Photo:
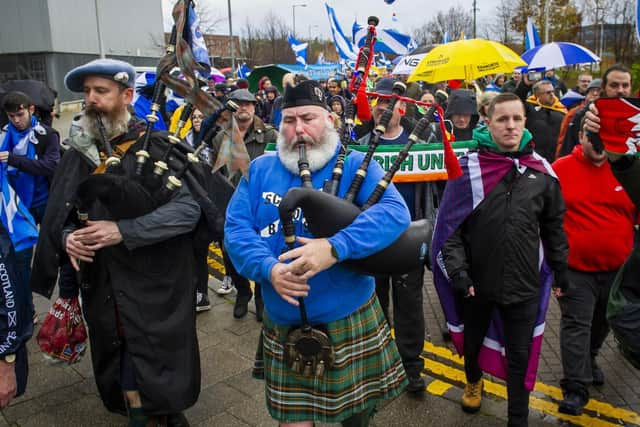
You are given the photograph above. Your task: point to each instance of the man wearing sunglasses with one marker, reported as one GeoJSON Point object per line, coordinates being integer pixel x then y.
{"type": "Point", "coordinates": [544, 113]}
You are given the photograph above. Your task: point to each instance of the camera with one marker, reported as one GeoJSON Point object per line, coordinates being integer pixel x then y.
{"type": "Point", "coordinates": [534, 76]}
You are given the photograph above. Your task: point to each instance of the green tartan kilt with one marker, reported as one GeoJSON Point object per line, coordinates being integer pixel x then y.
{"type": "Point", "coordinates": [367, 370]}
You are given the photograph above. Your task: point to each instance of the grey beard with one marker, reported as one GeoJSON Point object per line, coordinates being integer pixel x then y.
{"type": "Point", "coordinates": [112, 127]}
{"type": "Point", "coordinates": [318, 154]}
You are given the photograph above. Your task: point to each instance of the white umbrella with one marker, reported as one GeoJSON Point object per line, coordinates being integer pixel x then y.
{"type": "Point", "coordinates": [408, 63]}
{"type": "Point", "coordinates": [558, 54]}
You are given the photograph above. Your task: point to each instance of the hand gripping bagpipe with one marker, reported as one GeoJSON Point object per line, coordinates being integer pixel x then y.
{"type": "Point", "coordinates": [131, 194]}
{"type": "Point", "coordinates": [408, 252]}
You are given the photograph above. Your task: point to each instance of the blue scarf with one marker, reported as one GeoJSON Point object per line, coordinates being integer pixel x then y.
{"type": "Point", "coordinates": [21, 143]}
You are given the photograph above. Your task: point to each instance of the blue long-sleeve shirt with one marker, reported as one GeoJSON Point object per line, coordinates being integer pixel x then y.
{"type": "Point", "coordinates": [254, 239]}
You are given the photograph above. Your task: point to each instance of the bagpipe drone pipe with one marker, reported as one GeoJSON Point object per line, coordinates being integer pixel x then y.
{"type": "Point", "coordinates": [163, 162]}
{"type": "Point", "coordinates": [409, 251]}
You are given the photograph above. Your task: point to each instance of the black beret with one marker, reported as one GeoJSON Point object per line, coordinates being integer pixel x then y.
{"type": "Point", "coordinates": [307, 92]}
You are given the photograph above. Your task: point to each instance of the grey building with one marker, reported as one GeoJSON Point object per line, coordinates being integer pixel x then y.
{"type": "Point", "coordinates": [44, 39]}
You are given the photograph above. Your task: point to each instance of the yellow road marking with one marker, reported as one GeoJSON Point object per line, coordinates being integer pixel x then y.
{"type": "Point", "coordinates": [216, 265]}
{"type": "Point", "coordinates": [438, 388]}
{"type": "Point", "coordinates": [500, 390]}
{"type": "Point", "coordinates": [593, 405]}
{"type": "Point", "coordinates": [215, 249]}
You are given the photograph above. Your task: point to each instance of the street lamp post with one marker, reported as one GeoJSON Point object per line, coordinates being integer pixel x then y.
{"type": "Point", "coordinates": [546, 21]}
{"type": "Point", "coordinates": [231, 47]}
{"type": "Point", "coordinates": [293, 8]}
{"type": "Point", "coordinates": [100, 43]}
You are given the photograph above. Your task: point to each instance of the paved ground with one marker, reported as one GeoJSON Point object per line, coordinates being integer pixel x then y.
{"type": "Point", "coordinates": [62, 395]}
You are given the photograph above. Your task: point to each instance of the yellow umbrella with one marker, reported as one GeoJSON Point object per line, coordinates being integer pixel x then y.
{"type": "Point", "coordinates": [466, 60]}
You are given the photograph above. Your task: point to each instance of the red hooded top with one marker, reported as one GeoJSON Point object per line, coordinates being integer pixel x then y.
{"type": "Point", "coordinates": [600, 216]}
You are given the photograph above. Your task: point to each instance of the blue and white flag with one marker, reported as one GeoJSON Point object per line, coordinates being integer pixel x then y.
{"type": "Point", "coordinates": [299, 49]}
{"type": "Point", "coordinates": [531, 37]}
{"type": "Point", "coordinates": [15, 217]}
{"type": "Point", "coordinates": [198, 46]}
{"type": "Point", "coordinates": [142, 104]}
{"type": "Point", "coordinates": [243, 71]}
{"type": "Point", "coordinates": [344, 46]}
{"type": "Point", "coordinates": [320, 59]}
{"type": "Point", "coordinates": [387, 40]}
{"type": "Point", "coordinates": [383, 61]}
{"type": "Point", "coordinates": [446, 38]}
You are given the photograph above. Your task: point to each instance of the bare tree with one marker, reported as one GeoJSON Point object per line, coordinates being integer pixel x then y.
{"type": "Point", "coordinates": [275, 35]}
{"type": "Point", "coordinates": [210, 18]}
{"type": "Point", "coordinates": [454, 22]}
{"type": "Point", "coordinates": [499, 28]}
{"type": "Point", "coordinates": [250, 41]}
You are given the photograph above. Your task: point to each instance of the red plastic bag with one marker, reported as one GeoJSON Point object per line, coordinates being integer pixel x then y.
{"type": "Point", "coordinates": [63, 335]}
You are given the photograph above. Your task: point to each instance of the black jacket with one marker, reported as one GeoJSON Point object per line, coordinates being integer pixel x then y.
{"type": "Point", "coordinates": [463, 101]}
{"type": "Point", "coordinates": [147, 292]}
{"type": "Point", "coordinates": [543, 123]}
{"type": "Point", "coordinates": [498, 244]}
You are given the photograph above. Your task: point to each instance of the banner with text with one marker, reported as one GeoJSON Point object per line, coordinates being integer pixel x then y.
{"type": "Point", "coordinates": [425, 162]}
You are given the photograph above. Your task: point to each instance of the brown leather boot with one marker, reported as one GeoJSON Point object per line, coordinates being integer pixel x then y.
{"type": "Point", "coordinates": [472, 396]}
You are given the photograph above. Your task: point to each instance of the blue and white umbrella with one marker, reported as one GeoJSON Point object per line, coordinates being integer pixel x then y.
{"type": "Point", "coordinates": [558, 54]}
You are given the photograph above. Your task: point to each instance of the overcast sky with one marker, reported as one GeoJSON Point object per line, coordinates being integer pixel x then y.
{"type": "Point", "coordinates": [312, 19]}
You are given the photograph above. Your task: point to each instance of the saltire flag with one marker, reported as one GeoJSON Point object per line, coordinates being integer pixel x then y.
{"type": "Point", "coordinates": [299, 49]}
{"type": "Point", "coordinates": [531, 37]}
{"type": "Point", "coordinates": [383, 61]}
{"type": "Point", "coordinates": [243, 71]}
{"type": "Point", "coordinates": [446, 38]}
{"type": "Point", "coordinates": [346, 49]}
{"type": "Point", "coordinates": [142, 102]}
{"type": "Point", "coordinates": [320, 60]}
{"type": "Point", "coordinates": [481, 171]}
{"type": "Point", "coordinates": [387, 40]}
{"type": "Point", "coordinates": [196, 41]}
{"type": "Point", "coordinates": [15, 216]}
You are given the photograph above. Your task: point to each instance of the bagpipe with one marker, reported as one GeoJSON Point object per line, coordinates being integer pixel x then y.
{"type": "Point", "coordinates": [135, 191]}
{"type": "Point", "coordinates": [409, 251]}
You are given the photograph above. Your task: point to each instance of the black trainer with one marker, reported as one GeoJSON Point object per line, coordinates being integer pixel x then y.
{"type": "Point", "coordinates": [416, 385]}
{"type": "Point", "coordinates": [177, 420]}
{"type": "Point", "coordinates": [573, 404]}
{"type": "Point", "coordinates": [202, 302]}
{"type": "Point", "coordinates": [241, 307]}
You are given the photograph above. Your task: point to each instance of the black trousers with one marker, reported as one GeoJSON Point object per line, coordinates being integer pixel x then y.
{"type": "Point", "coordinates": [201, 275]}
{"type": "Point", "coordinates": [408, 317]}
{"type": "Point", "coordinates": [518, 321]}
{"type": "Point", "coordinates": [583, 327]}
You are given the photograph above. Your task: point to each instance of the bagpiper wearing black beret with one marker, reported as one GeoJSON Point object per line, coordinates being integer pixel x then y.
{"type": "Point", "coordinates": [307, 92]}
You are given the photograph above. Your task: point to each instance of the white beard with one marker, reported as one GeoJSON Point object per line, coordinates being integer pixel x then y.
{"type": "Point", "coordinates": [318, 154]}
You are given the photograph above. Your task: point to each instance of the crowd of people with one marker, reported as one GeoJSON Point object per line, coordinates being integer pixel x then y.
{"type": "Point", "coordinates": [536, 188]}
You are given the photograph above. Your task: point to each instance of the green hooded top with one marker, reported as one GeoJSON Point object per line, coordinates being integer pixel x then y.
{"type": "Point", "coordinates": [483, 137]}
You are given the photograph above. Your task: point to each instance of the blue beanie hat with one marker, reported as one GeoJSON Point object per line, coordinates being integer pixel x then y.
{"type": "Point", "coordinates": [112, 69]}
